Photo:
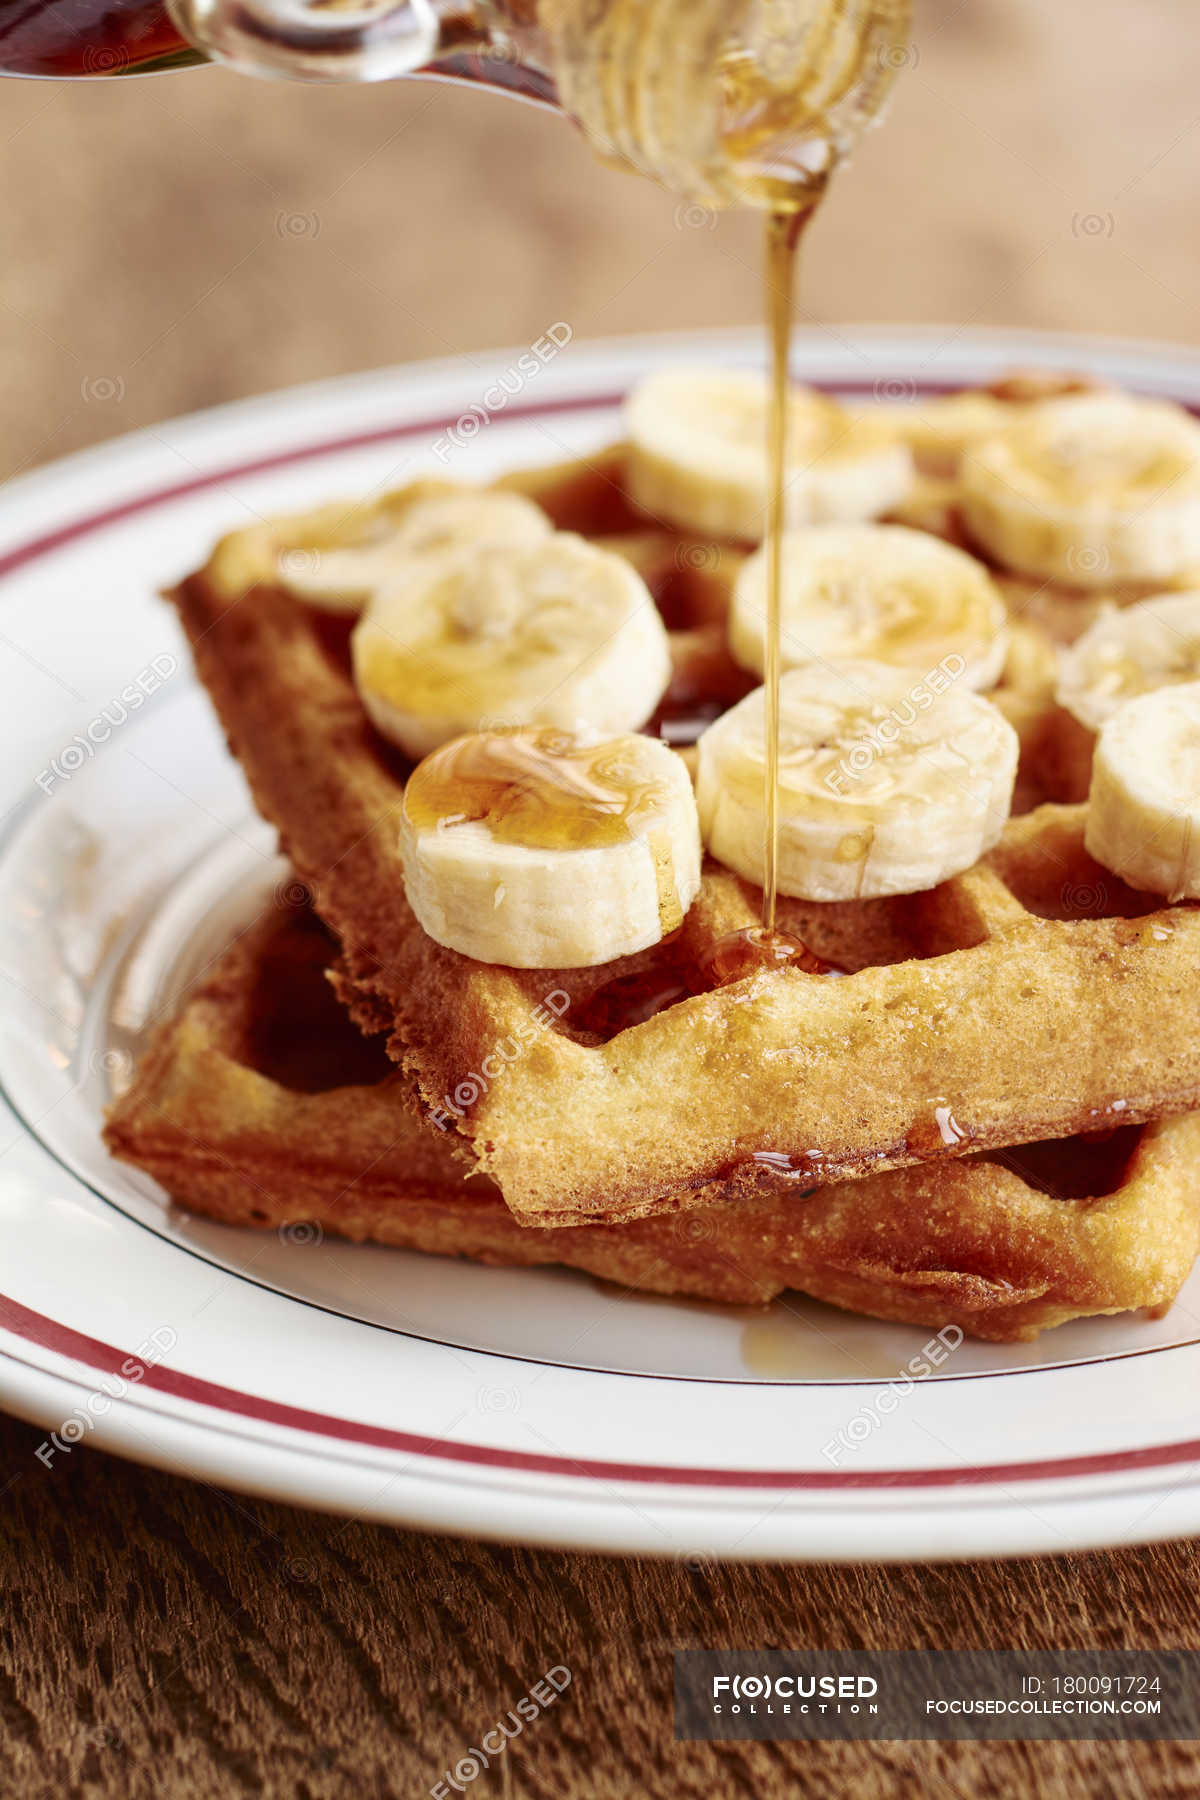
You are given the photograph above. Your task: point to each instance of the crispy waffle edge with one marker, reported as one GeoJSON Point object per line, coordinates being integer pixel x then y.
{"type": "Point", "coordinates": [970, 1243]}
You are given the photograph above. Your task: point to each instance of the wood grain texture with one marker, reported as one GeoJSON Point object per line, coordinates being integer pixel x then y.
{"type": "Point", "coordinates": [163, 1638]}
{"type": "Point", "coordinates": [177, 242]}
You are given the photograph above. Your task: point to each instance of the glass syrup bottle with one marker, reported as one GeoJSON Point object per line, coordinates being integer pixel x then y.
{"type": "Point", "coordinates": [722, 101]}
{"type": "Point", "coordinates": [725, 102]}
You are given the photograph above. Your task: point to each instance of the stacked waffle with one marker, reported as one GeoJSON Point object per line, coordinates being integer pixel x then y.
{"type": "Point", "coordinates": [969, 1103]}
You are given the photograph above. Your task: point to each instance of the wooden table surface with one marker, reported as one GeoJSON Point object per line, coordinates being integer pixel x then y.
{"type": "Point", "coordinates": [177, 242]}
{"type": "Point", "coordinates": [163, 1638]}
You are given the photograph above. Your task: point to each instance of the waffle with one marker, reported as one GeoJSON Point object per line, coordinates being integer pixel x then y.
{"type": "Point", "coordinates": [1034, 996]}
{"type": "Point", "coordinates": [261, 1105]}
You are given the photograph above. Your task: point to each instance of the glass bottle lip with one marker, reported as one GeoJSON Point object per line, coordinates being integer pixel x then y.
{"type": "Point", "coordinates": [295, 40]}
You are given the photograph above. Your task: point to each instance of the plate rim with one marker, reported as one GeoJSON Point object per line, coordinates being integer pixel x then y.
{"type": "Point", "coordinates": [39, 1329]}
{"type": "Point", "coordinates": [1170, 362]}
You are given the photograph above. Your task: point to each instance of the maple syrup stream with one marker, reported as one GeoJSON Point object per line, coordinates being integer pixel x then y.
{"type": "Point", "coordinates": [785, 227]}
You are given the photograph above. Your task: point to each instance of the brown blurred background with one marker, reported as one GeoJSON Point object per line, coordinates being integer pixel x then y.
{"type": "Point", "coordinates": [185, 239]}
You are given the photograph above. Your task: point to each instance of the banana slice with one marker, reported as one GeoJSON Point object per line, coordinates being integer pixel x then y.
{"type": "Point", "coordinates": [1144, 808]}
{"type": "Point", "coordinates": [556, 633]}
{"type": "Point", "coordinates": [1091, 490]}
{"type": "Point", "coordinates": [930, 505]}
{"type": "Point", "coordinates": [1155, 644]}
{"type": "Point", "coordinates": [343, 577]}
{"type": "Point", "coordinates": [698, 455]}
{"type": "Point", "coordinates": [886, 786]}
{"type": "Point", "coordinates": [543, 852]}
{"type": "Point", "coordinates": [880, 592]}
{"type": "Point", "coordinates": [939, 428]}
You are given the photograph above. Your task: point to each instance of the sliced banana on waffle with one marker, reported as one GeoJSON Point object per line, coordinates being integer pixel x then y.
{"type": "Point", "coordinates": [1144, 808]}
{"type": "Point", "coordinates": [555, 633]}
{"type": "Point", "coordinates": [698, 456]}
{"type": "Point", "coordinates": [1091, 490]}
{"type": "Point", "coordinates": [939, 428]}
{"type": "Point", "coordinates": [1155, 644]}
{"type": "Point", "coordinates": [879, 592]}
{"type": "Point", "coordinates": [543, 851]}
{"type": "Point", "coordinates": [342, 577]}
{"type": "Point", "coordinates": [886, 786]}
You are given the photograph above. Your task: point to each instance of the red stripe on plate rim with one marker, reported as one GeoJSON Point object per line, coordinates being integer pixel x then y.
{"type": "Point", "coordinates": [45, 543]}
{"type": "Point", "coordinates": [64, 1340]}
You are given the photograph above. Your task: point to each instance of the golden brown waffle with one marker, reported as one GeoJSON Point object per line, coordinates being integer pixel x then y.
{"type": "Point", "coordinates": [1033, 996]}
{"type": "Point", "coordinates": [262, 1105]}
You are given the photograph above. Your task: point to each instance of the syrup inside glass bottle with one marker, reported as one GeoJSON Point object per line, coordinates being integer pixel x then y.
{"type": "Point", "coordinates": [88, 38]}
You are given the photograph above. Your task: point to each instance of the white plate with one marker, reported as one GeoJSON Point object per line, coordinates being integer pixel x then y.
{"type": "Point", "coordinates": [533, 1406]}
